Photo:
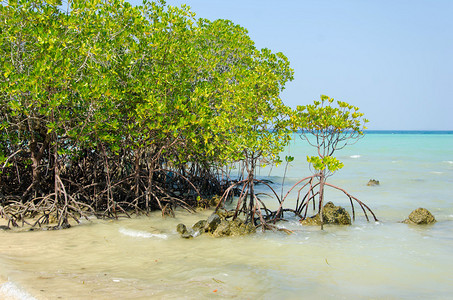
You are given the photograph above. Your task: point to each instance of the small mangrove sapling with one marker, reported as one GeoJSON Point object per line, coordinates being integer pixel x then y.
{"type": "Point", "coordinates": [327, 125]}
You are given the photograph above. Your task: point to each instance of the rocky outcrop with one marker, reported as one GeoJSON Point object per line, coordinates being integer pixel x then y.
{"type": "Point", "coordinates": [205, 203]}
{"type": "Point", "coordinates": [181, 228]}
{"type": "Point", "coordinates": [373, 182]}
{"type": "Point", "coordinates": [238, 227]}
{"type": "Point", "coordinates": [233, 228]}
{"type": "Point", "coordinates": [223, 229]}
{"type": "Point", "coordinates": [331, 214]}
{"type": "Point", "coordinates": [212, 222]}
{"type": "Point", "coordinates": [218, 224]}
{"type": "Point", "coordinates": [420, 216]}
{"type": "Point", "coordinates": [199, 226]}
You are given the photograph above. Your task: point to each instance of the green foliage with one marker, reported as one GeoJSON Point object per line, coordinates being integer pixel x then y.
{"type": "Point", "coordinates": [324, 116]}
{"type": "Point", "coordinates": [330, 163]}
{"type": "Point", "coordinates": [289, 159]}
{"type": "Point", "coordinates": [136, 89]}
{"type": "Point", "coordinates": [328, 125]}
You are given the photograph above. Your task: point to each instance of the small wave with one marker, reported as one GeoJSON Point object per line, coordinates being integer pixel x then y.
{"type": "Point", "coordinates": [448, 162]}
{"type": "Point", "coordinates": [355, 156]}
{"type": "Point", "coordinates": [358, 228]}
{"type": "Point", "coordinates": [142, 234]}
{"type": "Point", "coordinates": [436, 172]}
{"type": "Point", "coordinates": [9, 290]}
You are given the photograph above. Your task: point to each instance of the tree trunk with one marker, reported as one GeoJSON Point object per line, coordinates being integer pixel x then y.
{"type": "Point", "coordinates": [137, 172]}
{"type": "Point", "coordinates": [251, 199]}
{"type": "Point", "coordinates": [322, 181]}
{"type": "Point", "coordinates": [36, 157]}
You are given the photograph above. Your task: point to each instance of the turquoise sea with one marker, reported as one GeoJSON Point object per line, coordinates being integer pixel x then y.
{"type": "Point", "coordinates": [413, 167]}
{"type": "Point", "coordinates": [144, 258]}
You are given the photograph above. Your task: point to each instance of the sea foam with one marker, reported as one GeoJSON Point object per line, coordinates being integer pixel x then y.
{"type": "Point", "coordinates": [142, 234]}
{"type": "Point", "coordinates": [9, 290]}
{"type": "Point", "coordinates": [355, 156]}
{"type": "Point", "coordinates": [436, 172]}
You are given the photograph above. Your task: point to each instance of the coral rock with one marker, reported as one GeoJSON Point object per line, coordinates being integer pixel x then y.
{"type": "Point", "coordinates": [420, 216]}
{"type": "Point", "coordinates": [373, 182]}
{"type": "Point", "coordinates": [212, 222]}
{"type": "Point", "coordinates": [331, 214]}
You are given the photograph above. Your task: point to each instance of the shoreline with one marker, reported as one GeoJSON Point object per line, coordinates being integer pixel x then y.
{"type": "Point", "coordinates": [11, 291]}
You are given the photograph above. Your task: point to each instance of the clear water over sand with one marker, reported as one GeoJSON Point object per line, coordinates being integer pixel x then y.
{"type": "Point", "coordinates": [145, 258]}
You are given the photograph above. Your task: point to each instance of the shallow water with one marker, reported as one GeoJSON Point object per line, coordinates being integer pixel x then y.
{"type": "Point", "coordinates": [144, 258]}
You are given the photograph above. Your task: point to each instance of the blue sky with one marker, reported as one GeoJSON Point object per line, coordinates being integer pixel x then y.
{"type": "Point", "coordinates": [393, 59]}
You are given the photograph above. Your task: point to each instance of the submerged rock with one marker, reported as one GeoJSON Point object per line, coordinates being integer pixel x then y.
{"type": "Point", "coordinates": [373, 182]}
{"type": "Point", "coordinates": [335, 215]}
{"type": "Point", "coordinates": [217, 225]}
{"type": "Point", "coordinates": [204, 203]}
{"type": "Point", "coordinates": [214, 201]}
{"type": "Point", "coordinates": [238, 227]}
{"type": "Point", "coordinates": [331, 214]}
{"type": "Point", "coordinates": [57, 227]}
{"type": "Point", "coordinates": [225, 214]}
{"type": "Point", "coordinates": [187, 235]}
{"type": "Point", "coordinates": [420, 216]}
{"type": "Point", "coordinates": [311, 221]}
{"type": "Point", "coordinates": [223, 229]}
{"type": "Point", "coordinates": [235, 227]}
{"type": "Point", "coordinates": [212, 222]}
{"type": "Point", "coordinates": [181, 228]}
{"type": "Point", "coordinates": [199, 226]}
